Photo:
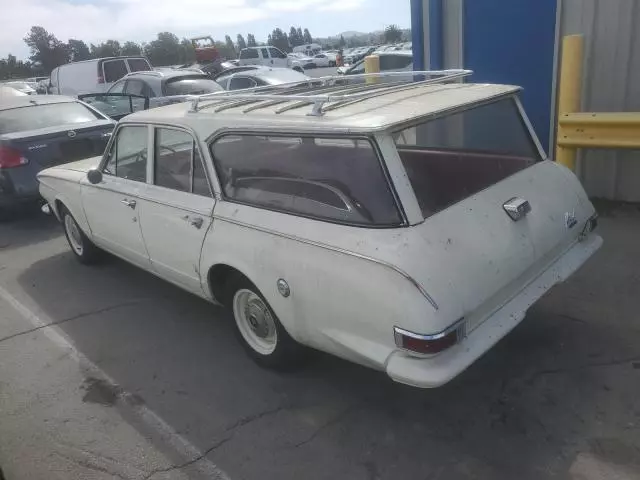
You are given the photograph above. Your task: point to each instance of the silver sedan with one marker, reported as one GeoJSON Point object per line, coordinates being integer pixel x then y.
{"type": "Point", "coordinates": [252, 76]}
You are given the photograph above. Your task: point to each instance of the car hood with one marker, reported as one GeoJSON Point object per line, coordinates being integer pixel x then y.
{"type": "Point", "coordinates": [83, 165]}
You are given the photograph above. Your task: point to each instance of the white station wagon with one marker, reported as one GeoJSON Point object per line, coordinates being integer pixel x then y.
{"type": "Point", "coordinates": [405, 225]}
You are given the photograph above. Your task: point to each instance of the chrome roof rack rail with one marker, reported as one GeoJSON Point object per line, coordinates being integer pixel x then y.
{"type": "Point", "coordinates": [318, 94]}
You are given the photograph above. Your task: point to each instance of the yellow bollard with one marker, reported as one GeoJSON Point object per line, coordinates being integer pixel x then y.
{"type": "Point", "coordinates": [570, 91]}
{"type": "Point", "coordinates": [372, 65]}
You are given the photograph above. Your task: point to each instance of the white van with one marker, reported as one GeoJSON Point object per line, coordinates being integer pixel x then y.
{"type": "Point", "coordinates": [269, 57]}
{"type": "Point", "coordinates": [310, 49]}
{"type": "Point", "coordinates": [94, 76]}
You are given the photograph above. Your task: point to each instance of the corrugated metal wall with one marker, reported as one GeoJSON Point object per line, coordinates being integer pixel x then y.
{"type": "Point", "coordinates": [611, 83]}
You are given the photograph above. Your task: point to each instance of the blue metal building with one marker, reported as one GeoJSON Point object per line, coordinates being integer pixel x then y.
{"type": "Point", "coordinates": [518, 42]}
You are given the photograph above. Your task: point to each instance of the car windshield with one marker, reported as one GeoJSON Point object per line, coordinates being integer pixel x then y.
{"type": "Point", "coordinates": [18, 85]}
{"type": "Point", "coordinates": [42, 116]}
{"type": "Point", "coordinates": [190, 85]}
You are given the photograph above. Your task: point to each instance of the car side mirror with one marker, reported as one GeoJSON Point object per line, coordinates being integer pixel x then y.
{"type": "Point", "coordinates": [94, 176]}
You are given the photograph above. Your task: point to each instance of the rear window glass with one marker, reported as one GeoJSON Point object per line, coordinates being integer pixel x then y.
{"type": "Point", "coordinates": [43, 116]}
{"type": "Point", "coordinates": [249, 53]}
{"type": "Point", "coordinates": [455, 156]}
{"type": "Point", "coordinates": [331, 179]}
{"type": "Point", "coordinates": [395, 62]}
{"type": "Point", "coordinates": [138, 65]}
{"type": "Point", "coordinates": [190, 85]}
{"type": "Point", "coordinates": [114, 70]}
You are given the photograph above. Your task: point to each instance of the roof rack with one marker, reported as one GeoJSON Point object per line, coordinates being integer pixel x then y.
{"type": "Point", "coordinates": [317, 95]}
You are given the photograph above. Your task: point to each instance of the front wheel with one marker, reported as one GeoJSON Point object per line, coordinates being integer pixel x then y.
{"type": "Point", "coordinates": [83, 248]}
{"type": "Point", "coordinates": [258, 328]}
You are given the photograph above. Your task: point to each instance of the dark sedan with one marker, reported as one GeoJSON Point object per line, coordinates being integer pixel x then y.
{"type": "Point", "coordinates": [37, 132]}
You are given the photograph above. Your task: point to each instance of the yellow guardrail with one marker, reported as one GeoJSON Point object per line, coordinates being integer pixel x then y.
{"type": "Point", "coordinates": [577, 129]}
{"type": "Point", "coordinates": [599, 130]}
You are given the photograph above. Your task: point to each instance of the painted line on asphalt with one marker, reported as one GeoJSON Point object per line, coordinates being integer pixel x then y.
{"type": "Point", "coordinates": [192, 456]}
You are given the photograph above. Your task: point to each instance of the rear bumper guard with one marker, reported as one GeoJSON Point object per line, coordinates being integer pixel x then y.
{"type": "Point", "coordinates": [439, 369]}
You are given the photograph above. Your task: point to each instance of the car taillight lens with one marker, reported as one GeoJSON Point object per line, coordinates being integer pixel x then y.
{"type": "Point", "coordinates": [10, 157]}
{"type": "Point", "coordinates": [430, 344]}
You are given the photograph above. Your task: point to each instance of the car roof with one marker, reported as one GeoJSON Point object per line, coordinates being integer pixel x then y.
{"type": "Point", "coordinates": [372, 113]}
{"type": "Point", "coordinates": [7, 103]}
{"type": "Point", "coordinates": [165, 74]}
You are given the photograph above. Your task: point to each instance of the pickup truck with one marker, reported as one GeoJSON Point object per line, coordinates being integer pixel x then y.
{"type": "Point", "coordinates": [269, 57]}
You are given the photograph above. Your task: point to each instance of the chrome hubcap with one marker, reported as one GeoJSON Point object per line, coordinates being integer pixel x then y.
{"type": "Point", "coordinates": [73, 234]}
{"type": "Point", "coordinates": [254, 321]}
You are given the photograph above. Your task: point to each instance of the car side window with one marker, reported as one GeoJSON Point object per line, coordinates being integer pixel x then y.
{"type": "Point", "coordinates": [127, 157]}
{"type": "Point", "coordinates": [249, 53]}
{"type": "Point", "coordinates": [265, 53]}
{"type": "Point", "coordinates": [118, 87]}
{"type": "Point", "coordinates": [335, 179]}
{"type": "Point", "coordinates": [276, 53]}
{"type": "Point", "coordinates": [114, 70]}
{"type": "Point", "coordinates": [239, 83]}
{"type": "Point", "coordinates": [138, 87]}
{"type": "Point", "coordinates": [178, 164]}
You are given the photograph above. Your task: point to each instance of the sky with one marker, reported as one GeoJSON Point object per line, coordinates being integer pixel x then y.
{"type": "Point", "coordinates": [95, 21]}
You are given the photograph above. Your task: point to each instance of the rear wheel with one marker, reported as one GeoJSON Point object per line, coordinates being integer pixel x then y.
{"type": "Point", "coordinates": [258, 328]}
{"type": "Point", "coordinates": [83, 248]}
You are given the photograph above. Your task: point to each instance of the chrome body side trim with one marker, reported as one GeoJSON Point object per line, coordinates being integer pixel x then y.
{"type": "Point", "coordinates": [335, 249]}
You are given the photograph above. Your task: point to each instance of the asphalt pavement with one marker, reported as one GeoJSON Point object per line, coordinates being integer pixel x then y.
{"type": "Point", "coordinates": [557, 398]}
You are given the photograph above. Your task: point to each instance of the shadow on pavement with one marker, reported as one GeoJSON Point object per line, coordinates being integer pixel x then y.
{"type": "Point", "coordinates": [556, 386]}
{"type": "Point", "coordinates": [27, 228]}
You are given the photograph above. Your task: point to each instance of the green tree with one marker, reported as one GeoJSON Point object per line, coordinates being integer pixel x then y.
{"type": "Point", "coordinates": [294, 39]}
{"type": "Point", "coordinates": [241, 43]}
{"type": "Point", "coordinates": [269, 40]}
{"type": "Point", "coordinates": [280, 40]}
{"type": "Point", "coordinates": [110, 48]}
{"type": "Point", "coordinates": [46, 50]}
{"type": "Point", "coordinates": [342, 42]}
{"type": "Point", "coordinates": [186, 52]}
{"type": "Point", "coordinates": [166, 49]}
{"type": "Point", "coordinates": [300, 35]}
{"type": "Point", "coordinates": [251, 40]}
{"type": "Point", "coordinates": [130, 48]}
{"type": "Point", "coordinates": [307, 36]}
{"type": "Point", "coordinates": [78, 50]}
{"type": "Point", "coordinates": [392, 34]}
{"type": "Point", "coordinates": [229, 43]}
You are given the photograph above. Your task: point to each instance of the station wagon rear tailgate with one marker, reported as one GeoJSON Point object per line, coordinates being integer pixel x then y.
{"type": "Point", "coordinates": [475, 257]}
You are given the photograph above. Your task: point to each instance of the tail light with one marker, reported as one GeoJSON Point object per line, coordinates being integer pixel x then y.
{"type": "Point", "coordinates": [11, 157]}
{"type": "Point", "coordinates": [100, 79]}
{"type": "Point", "coordinates": [430, 344]}
{"type": "Point", "coordinates": [590, 226]}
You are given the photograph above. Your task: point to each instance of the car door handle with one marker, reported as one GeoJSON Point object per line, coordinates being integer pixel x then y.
{"type": "Point", "coordinates": [129, 203]}
{"type": "Point", "coordinates": [194, 221]}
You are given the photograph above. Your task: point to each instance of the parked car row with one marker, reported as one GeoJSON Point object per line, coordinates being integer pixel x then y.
{"type": "Point", "coordinates": [405, 229]}
{"type": "Point", "coordinates": [353, 55]}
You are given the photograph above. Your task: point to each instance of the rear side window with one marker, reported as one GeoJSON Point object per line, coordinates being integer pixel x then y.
{"type": "Point", "coordinates": [138, 65]}
{"type": "Point", "coordinates": [114, 70]}
{"type": "Point", "coordinates": [43, 116]}
{"type": "Point", "coordinates": [334, 179]}
{"type": "Point", "coordinates": [265, 52]}
{"type": "Point", "coordinates": [452, 157]}
{"type": "Point", "coordinates": [249, 53]}
{"type": "Point", "coordinates": [178, 165]}
{"type": "Point", "coordinates": [190, 85]}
